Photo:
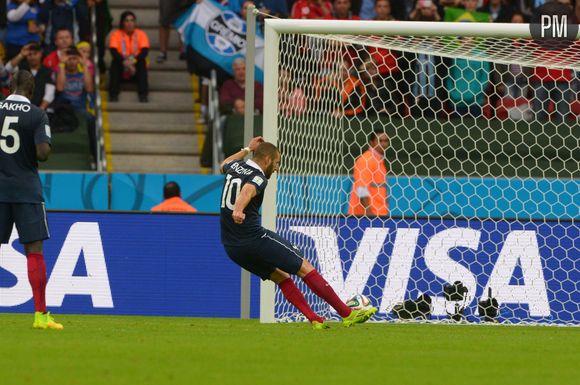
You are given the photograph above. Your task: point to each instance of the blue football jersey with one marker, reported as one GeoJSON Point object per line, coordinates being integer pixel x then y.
{"type": "Point", "coordinates": [22, 127]}
{"type": "Point", "coordinates": [237, 174]}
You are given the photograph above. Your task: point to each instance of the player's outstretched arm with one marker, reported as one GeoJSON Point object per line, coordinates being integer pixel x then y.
{"type": "Point", "coordinates": [254, 143]}
{"type": "Point", "coordinates": [42, 152]}
{"type": "Point", "coordinates": [247, 193]}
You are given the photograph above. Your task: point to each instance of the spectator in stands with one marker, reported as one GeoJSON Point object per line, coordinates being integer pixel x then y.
{"type": "Point", "coordinates": [451, 3]}
{"type": "Point", "coordinates": [84, 48]}
{"type": "Point", "coordinates": [291, 98]}
{"type": "Point", "coordinates": [63, 40]}
{"type": "Point", "coordinates": [367, 10]}
{"type": "Point", "coordinates": [239, 107]}
{"type": "Point", "coordinates": [516, 76]}
{"type": "Point", "coordinates": [423, 77]}
{"type": "Point", "coordinates": [470, 5]}
{"type": "Point", "coordinates": [311, 9]}
{"type": "Point", "coordinates": [30, 58]}
{"type": "Point", "coordinates": [276, 8]}
{"type": "Point", "coordinates": [397, 9]}
{"type": "Point", "coordinates": [387, 62]}
{"type": "Point", "coordinates": [500, 11]}
{"type": "Point", "coordinates": [73, 83]}
{"type": "Point", "coordinates": [569, 4]}
{"type": "Point", "coordinates": [172, 200]}
{"type": "Point", "coordinates": [518, 18]}
{"type": "Point", "coordinates": [467, 83]}
{"type": "Point", "coordinates": [467, 13]}
{"type": "Point", "coordinates": [369, 190]}
{"type": "Point", "coordinates": [22, 26]}
{"type": "Point", "coordinates": [4, 80]}
{"type": "Point", "coordinates": [401, 9]}
{"type": "Point", "coordinates": [73, 15]}
{"type": "Point", "coordinates": [376, 91]}
{"type": "Point", "coordinates": [3, 23]}
{"type": "Point", "coordinates": [551, 85]}
{"type": "Point", "coordinates": [425, 10]}
{"type": "Point", "coordinates": [233, 89]}
{"type": "Point", "coordinates": [244, 9]}
{"type": "Point", "coordinates": [169, 11]}
{"type": "Point", "coordinates": [525, 7]}
{"type": "Point", "coordinates": [350, 88]}
{"type": "Point", "coordinates": [129, 47]}
{"type": "Point", "coordinates": [342, 11]}
{"type": "Point", "coordinates": [382, 11]}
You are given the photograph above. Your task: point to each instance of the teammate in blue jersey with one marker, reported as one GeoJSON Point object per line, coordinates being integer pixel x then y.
{"type": "Point", "coordinates": [25, 140]}
{"type": "Point", "coordinates": [261, 251]}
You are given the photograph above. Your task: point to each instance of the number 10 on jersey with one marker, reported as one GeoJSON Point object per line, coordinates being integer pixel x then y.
{"type": "Point", "coordinates": [232, 188]}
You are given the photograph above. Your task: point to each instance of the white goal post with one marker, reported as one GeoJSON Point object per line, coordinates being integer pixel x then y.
{"type": "Point", "coordinates": [490, 201]}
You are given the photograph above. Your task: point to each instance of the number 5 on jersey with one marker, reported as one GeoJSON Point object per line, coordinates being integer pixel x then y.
{"type": "Point", "coordinates": [231, 190]}
{"type": "Point", "coordinates": [8, 132]}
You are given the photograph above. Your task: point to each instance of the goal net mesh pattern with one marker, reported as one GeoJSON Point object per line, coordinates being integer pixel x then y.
{"type": "Point", "coordinates": [483, 173]}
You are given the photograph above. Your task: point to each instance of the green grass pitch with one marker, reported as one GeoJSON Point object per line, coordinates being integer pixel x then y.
{"type": "Point", "coordinates": [120, 350]}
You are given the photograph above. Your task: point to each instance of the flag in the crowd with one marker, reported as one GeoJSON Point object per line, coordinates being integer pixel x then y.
{"type": "Point", "coordinates": [461, 15]}
{"type": "Point", "coordinates": [216, 35]}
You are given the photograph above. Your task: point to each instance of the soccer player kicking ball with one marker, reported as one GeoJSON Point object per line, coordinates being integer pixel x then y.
{"type": "Point", "coordinates": [24, 140]}
{"type": "Point", "coordinates": [261, 251]}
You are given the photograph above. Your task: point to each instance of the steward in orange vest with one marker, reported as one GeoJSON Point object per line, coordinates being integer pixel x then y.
{"type": "Point", "coordinates": [129, 47]}
{"type": "Point", "coordinates": [172, 200]}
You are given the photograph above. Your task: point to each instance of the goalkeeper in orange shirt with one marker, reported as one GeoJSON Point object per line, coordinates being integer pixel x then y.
{"type": "Point", "coordinates": [369, 191]}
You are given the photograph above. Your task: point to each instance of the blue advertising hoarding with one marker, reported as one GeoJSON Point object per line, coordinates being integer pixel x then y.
{"type": "Point", "coordinates": [174, 264]}
{"type": "Point", "coordinates": [531, 267]}
{"type": "Point", "coordinates": [130, 264]}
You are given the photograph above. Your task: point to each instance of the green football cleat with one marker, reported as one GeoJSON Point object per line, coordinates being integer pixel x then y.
{"type": "Point", "coordinates": [359, 316]}
{"type": "Point", "coordinates": [51, 323]}
{"type": "Point", "coordinates": [45, 321]}
{"type": "Point", "coordinates": [319, 325]}
{"type": "Point", "coordinates": [39, 320]}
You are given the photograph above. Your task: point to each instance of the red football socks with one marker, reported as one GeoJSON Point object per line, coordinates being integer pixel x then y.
{"type": "Point", "coordinates": [296, 298]}
{"type": "Point", "coordinates": [37, 279]}
{"type": "Point", "coordinates": [321, 288]}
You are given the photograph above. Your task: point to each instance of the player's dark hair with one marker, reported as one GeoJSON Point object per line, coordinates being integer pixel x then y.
{"type": "Point", "coordinates": [171, 190]}
{"type": "Point", "coordinates": [125, 15]}
{"type": "Point", "coordinates": [375, 135]}
{"type": "Point", "coordinates": [264, 150]}
{"type": "Point", "coordinates": [22, 83]}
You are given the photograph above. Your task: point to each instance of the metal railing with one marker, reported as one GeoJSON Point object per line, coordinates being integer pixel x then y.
{"type": "Point", "coordinates": [215, 123]}
{"type": "Point", "coordinates": [101, 160]}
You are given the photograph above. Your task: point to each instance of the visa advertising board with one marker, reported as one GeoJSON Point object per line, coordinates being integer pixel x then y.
{"type": "Point", "coordinates": [174, 265]}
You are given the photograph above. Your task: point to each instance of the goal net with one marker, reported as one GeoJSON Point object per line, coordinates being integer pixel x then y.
{"type": "Point", "coordinates": [483, 159]}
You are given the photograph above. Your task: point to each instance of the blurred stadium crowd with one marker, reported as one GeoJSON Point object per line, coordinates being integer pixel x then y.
{"type": "Point", "coordinates": [53, 38]}
{"type": "Point", "coordinates": [379, 81]}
